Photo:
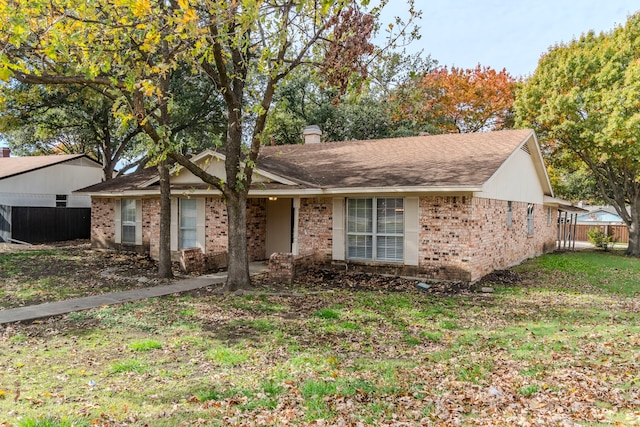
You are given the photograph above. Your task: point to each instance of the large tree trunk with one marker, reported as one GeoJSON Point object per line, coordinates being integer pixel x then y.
{"type": "Point", "coordinates": [164, 264]}
{"type": "Point", "coordinates": [238, 268]}
{"type": "Point", "coordinates": [634, 229]}
{"type": "Point", "coordinates": [107, 168]}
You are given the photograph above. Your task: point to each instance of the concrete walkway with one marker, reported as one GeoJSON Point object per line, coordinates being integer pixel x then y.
{"type": "Point", "coordinates": [77, 304]}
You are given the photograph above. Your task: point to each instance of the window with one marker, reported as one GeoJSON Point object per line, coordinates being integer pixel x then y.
{"type": "Point", "coordinates": [548, 215]}
{"type": "Point", "coordinates": [61, 200]}
{"type": "Point", "coordinates": [188, 233]}
{"type": "Point", "coordinates": [375, 229]}
{"type": "Point", "coordinates": [509, 214]}
{"type": "Point", "coordinates": [128, 213]}
{"type": "Point", "coordinates": [530, 219]}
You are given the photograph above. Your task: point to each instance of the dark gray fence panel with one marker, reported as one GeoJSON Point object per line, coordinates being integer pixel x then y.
{"type": "Point", "coordinates": [38, 225]}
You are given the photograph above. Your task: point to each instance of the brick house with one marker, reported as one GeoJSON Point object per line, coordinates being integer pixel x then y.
{"type": "Point", "coordinates": [452, 206]}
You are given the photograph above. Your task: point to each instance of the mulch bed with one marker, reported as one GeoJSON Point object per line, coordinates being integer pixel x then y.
{"type": "Point", "coordinates": [328, 279]}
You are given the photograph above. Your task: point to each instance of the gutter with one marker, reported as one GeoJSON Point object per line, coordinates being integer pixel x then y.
{"type": "Point", "coordinates": [299, 192]}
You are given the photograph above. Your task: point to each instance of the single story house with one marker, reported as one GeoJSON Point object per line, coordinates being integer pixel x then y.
{"type": "Point", "coordinates": [31, 184]}
{"type": "Point", "coordinates": [454, 206]}
{"type": "Point", "coordinates": [600, 215]}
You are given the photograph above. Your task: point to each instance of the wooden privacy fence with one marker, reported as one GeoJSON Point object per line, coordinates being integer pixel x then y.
{"type": "Point", "coordinates": [619, 232]}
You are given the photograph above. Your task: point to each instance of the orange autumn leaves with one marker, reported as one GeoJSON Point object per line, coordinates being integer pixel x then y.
{"type": "Point", "coordinates": [457, 100]}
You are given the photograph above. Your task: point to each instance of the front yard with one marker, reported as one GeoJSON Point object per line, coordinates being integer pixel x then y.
{"type": "Point", "coordinates": [557, 344]}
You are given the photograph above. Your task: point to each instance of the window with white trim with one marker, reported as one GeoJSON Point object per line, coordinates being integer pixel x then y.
{"type": "Point", "coordinates": [128, 217]}
{"type": "Point", "coordinates": [548, 215]}
{"type": "Point", "coordinates": [530, 219]}
{"type": "Point", "coordinates": [375, 229]}
{"type": "Point", "coordinates": [188, 231]}
{"type": "Point", "coordinates": [509, 213]}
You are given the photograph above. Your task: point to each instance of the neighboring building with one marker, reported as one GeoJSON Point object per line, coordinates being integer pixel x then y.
{"type": "Point", "coordinates": [47, 181]}
{"type": "Point", "coordinates": [452, 206]}
{"type": "Point", "coordinates": [600, 215]}
{"type": "Point", "coordinates": [30, 185]}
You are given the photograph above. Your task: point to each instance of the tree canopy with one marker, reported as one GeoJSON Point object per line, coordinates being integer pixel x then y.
{"type": "Point", "coordinates": [583, 103]}
{"type": "Point", "coordinates": [42, 120]}
{"type": "Point", "coordinates": [457, 100]}
{"type": "Point", "coordinates": [358, 113]}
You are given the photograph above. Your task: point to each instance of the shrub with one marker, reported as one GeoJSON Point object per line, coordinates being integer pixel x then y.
{"type": "Point", "coordinates": [600, 239]}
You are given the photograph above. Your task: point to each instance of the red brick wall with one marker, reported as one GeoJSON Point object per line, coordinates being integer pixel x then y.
{"type": "Point", "coordinates": [460, 237]}
{"type": "Point", "coordinates": [257, 229]}
{"type": "Point", "coordinates": [497, 246]}
{"type": "Point", "coordinates": [466, 238]}
{"type": "Point", "coordinates": [315, 226]}
{"type": "Point", "coordinates": [102, 223]}
{"type": "Point", "coordinates": [151, 226]}
{"type": "Point", "coordinates": [444, 239]}
{"type": "Point", "coordinates": [215, 225]}
{"type": "Point", "coordinates": [103, 226]}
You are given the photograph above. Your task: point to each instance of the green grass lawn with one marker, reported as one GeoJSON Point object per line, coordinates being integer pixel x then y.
{"type": "Point", "coordinates": [560, 348]}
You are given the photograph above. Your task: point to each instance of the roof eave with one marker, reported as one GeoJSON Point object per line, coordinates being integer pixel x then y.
{"type": "Point", "coordinates": [538, 163]}
{"type": "Point", "coordinates": [210, 153]}
{"type": "Point", "coordinates": [303, 192]}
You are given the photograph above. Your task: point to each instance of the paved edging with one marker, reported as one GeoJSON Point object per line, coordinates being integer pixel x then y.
{"type": "Point", "coordinates": [62, 307]}
{"type": "Point", "coordinates": [39, 311]}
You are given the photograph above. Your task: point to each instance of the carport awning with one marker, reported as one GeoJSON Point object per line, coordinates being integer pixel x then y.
{"type": "Point", "coordinates": [571, 209]}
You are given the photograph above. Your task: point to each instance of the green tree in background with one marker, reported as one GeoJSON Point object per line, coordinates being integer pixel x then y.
{"type": "Point", "coordinates": [583, 103]}
{"type": "Point", "coordinates": [360, 113]}
{"type": "Point", "coordinates": [42, 120]}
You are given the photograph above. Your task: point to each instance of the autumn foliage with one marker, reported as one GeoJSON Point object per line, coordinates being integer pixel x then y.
{"type": "Point", "coordinates": [343, 59]}
{"type": "Point", "coordinates": [458, 100]}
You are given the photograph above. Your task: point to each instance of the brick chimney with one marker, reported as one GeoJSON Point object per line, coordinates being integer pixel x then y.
{"type": "Point", "coordinates": [5, 152]}
{"type": "Point", "coordinates": [312, 134]}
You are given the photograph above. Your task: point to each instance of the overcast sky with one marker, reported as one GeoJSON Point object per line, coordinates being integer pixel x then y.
{"type": "Point", "coordinates": [509, 34]}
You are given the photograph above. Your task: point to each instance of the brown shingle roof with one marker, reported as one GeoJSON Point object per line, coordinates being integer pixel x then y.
{"type": "Point", "coordinates": [10, 166]}
{"type": "Point", "coordinates": [130, 181]}
{"type": "Point", "coordinates": [423, 161]}
{"type": "Point", "coordinates": [435, 160]}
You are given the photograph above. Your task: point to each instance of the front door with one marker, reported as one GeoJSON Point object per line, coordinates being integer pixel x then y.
{"type": "Point", "coordinates": [279, 229]}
